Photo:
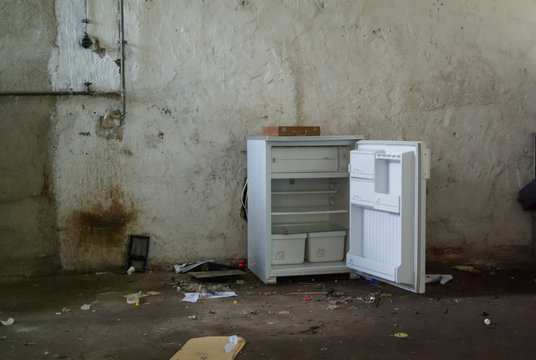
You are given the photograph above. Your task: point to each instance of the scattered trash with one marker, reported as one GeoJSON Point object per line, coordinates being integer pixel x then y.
{"type": "Point", "coordinates": [194, 297]}
{"type": "Point", "coordinates": [333, 307]}
{"type": "Point", "coordinates": [101, 273]}
{"type": "Point", "coordinates": [212, 312]}
{"type": "Point", "coordinates": [59, 313]}
{"type": "Point", "coordinates": [467, 268]}
{"type": "Point", "coordinates": [189, 266]}
{"type": "Point", "coordinates": [386, 294]}
{"type": "Point", "coordinates": [85, 307]}
{"type": "Point", "coordinates": [211, 347]}
{"type": "Point", "coordinates": [457, 301]}
{"type": "Point", "coordinates": [372, 298]}
{"type": "Point", "coordinates": [487, 321]}
{"type": "Point", "coordinates": [135, 298]}
{"type": "Point", "coordinates": [65, 310]}
{"type": "Point", "coordinates": [306, 299]}
{"type": "Point", "coordinates": [8, 322]}
{"type": "Point", "coordinates": [131, 270]}
{"type": "Point", "coordinates": [239, 282]}
{"type": "Point", "coordinates": [192, 317]}
{"type": "Point", "coordinates": [233, 341]}
{"type": "Point", "coordinates": [438, 278]}
{"type": "Point", "coordinates": [285, 312]}
{"type": "Point", "coordinates": [401, 335]}
{"type": "Point", "coordinates": [30, 344]}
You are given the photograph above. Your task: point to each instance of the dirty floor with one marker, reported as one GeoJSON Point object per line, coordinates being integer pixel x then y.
{"type": "Point", "coordinates": [357, 320]}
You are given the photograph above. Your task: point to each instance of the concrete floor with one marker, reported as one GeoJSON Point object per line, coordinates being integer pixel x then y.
{"type": "Point", "coordinates": [445, 323]}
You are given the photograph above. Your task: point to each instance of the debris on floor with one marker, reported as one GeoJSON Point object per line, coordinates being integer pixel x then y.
{"type": "Point", "coordinates": [135, 298]}
{"type": "Point", "coordinates": [211, 348]}
{"type": "Point", "coordinates": [85, 307]}
{"type": "Point", "coordinates": [215, 273]}
{"type": "Point", "coordinates": [401, 335]}
{"type": "Point", "coordinates": [438, 278]}
{"type": "Point", "coordinates": [182, 268]}
{"type": "Point", "coordinates": [467, 268]}
{"type": "Point", "coordinates": [308, 293]}
{"type": "Point", "coordinates": [194, 297]}
{"type": "Point", "coordinates": [8, 322]}
{"type": "Point", "coordinates": [131, 270]}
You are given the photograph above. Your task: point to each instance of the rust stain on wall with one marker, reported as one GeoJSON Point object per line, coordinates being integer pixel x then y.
{"type": "Point", "coordinates": [99, 233]}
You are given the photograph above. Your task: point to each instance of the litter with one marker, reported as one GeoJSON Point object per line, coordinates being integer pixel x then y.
{"type": "Point", "coordinates": [135, 298]}
{"type": "Point", "coordinates": [131, 270]}
{"type": "Point", "coordinates": [192, 317]}
{"type": "Point", "coordinates": [306, 299]}
{"type": "Point", "coordinates": [211, 348]}
{"type": "Point", "coordinates": [233, 341]}
{"type": "Point", "coordinates": [438, 278]}
{"type": "Point", "coordinates": [189, 266]}
{"type": "Point", "coordinates": [194, 297]}
{"type": "Point", "coordinates": [8, 322]}
{"type": "Point", "coordinates": [467, 268]}
{"type": "Point", "coordinates": [239, 282]}
{"type": "Point", "coordinates": [401, 335]}
{"type": "Point", "coordinates": [487, 321]}
{"type": "Point", "coordinates": [85, 307]}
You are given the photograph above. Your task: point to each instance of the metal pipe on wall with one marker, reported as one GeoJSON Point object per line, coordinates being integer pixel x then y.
{"type": "Point", "coordinates": [60, 93]}
{"type": "Point", "coordinates": [122, 58]}
{"type": "Point", "coordinates": [121, 94]}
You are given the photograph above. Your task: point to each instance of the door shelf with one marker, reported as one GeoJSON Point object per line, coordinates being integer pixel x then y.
{"type": "Point", "coordinates": [307, 210]}
{"type": "Point", "coordinates": [288, 229]}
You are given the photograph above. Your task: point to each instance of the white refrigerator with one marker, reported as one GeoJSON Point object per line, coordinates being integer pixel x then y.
{"type": "Point", "coordinates": [337, 204]}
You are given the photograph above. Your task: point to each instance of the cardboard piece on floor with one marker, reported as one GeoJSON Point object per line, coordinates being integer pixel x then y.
{"type": "Point", "coordinates": [208, 348]}
{"type": "Point", "coordinates": [215, 273]}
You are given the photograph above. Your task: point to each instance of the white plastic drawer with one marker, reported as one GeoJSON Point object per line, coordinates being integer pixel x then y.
{"type": "Point", "coordinates": [362, 192]}
{"type": "Point", "coordinates": [305, 159]}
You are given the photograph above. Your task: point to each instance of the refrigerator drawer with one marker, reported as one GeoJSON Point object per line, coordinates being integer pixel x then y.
{"type": "Point", "coordinates": [288, 249]}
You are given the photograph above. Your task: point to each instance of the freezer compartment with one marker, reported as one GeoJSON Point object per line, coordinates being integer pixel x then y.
{"type": "Point", "coordinates": [288, 249]}
{"type": "Point", "coordinates": [325, 246]}
{"type": "Point", "coordinates": [309, 159]}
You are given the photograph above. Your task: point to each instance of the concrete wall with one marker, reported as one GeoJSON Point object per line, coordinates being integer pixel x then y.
{"type": "Point", "coordinates": [28, 239]}
{"type": "Point", "coordinates": [201, 75]}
